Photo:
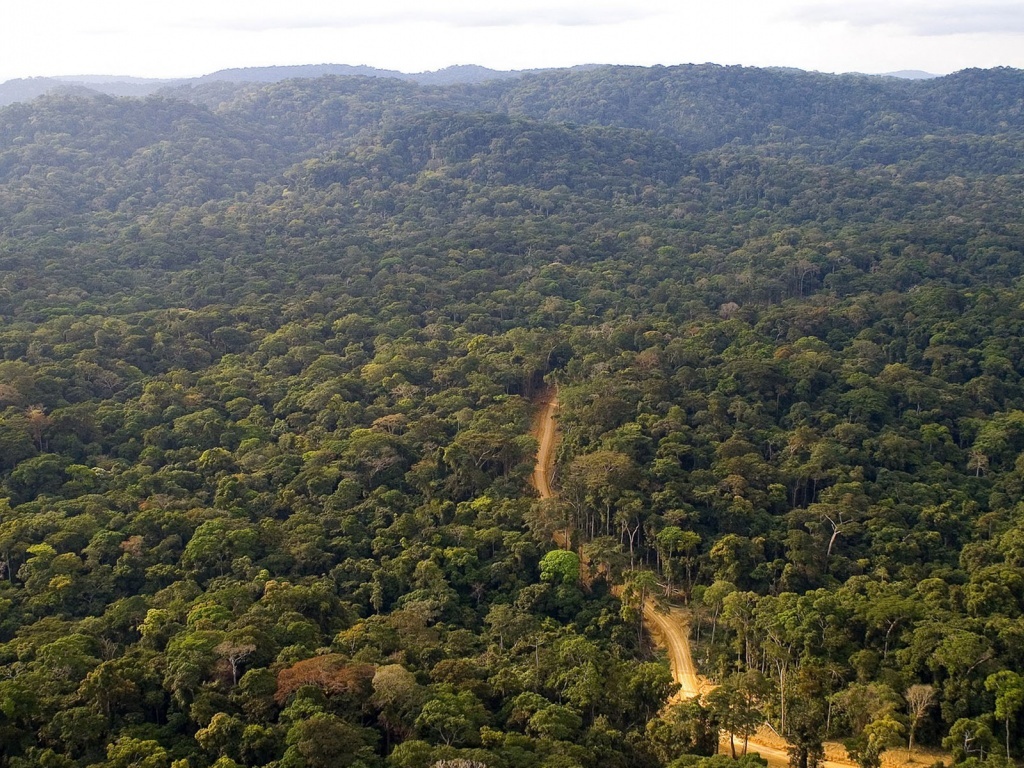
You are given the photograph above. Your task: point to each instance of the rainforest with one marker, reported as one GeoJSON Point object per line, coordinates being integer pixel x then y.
{"type": "Point", "coordinates": [275, 361]}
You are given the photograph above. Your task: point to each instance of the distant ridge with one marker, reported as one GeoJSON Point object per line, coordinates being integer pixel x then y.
{"type": "Point", "coordinates": [114, 85]}
{"type": "Point", "coordinates": [275, 74]}
{"type": "Point", "coordinates": [26, 89]}
{"type": "Point", "coordinates": [466, 73]}
{"type": "Point", "coordinates": [911, 74]}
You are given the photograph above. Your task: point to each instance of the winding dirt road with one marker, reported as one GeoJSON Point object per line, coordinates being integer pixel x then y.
{"type": "Point", "coordinates": [672, 629]}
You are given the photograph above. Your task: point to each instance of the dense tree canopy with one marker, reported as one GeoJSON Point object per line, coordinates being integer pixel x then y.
{"type": "Point", "coordinates": [267, 356]}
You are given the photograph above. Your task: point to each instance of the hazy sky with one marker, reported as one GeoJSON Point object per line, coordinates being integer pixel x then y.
{"type": "Point", "coordinates": [192, 37]}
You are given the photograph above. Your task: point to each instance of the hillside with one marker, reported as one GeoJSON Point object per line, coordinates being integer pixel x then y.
{"type": "Point", "coordinates": [26, 89]}
{"type": "Point", "coordinates": [268, 362]}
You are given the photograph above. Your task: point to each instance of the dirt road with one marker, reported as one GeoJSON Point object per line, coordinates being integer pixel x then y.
{"type": "Point", "coordinates": [547, 435]}
{"type": "Point", "coordinates": [672, 629]}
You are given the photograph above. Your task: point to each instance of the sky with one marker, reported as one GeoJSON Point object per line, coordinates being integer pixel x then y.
{"type": "Point", "coordinates": [187, 38]}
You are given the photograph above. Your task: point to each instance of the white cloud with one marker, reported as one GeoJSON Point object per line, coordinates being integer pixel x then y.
{"type": "Point", "coordinates": [193, 37]}
{"type": "Point", "coordinates": [921, 19]}
{"type": "Point", "coordinates": [481, 17]}
{"type": "Point", "coordinates": [303, 14]}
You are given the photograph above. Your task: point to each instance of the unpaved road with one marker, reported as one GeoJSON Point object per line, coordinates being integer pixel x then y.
{"type": "Point", "coordinates": [671, 630]}
{"type": "Point", "coordinates": [545, 431]}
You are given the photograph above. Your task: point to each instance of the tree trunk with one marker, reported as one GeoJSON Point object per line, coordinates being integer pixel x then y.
{"type": "Point", "coordinates": [1007, 740]}
{"type": "Point", "coordinates": [782, 699]}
